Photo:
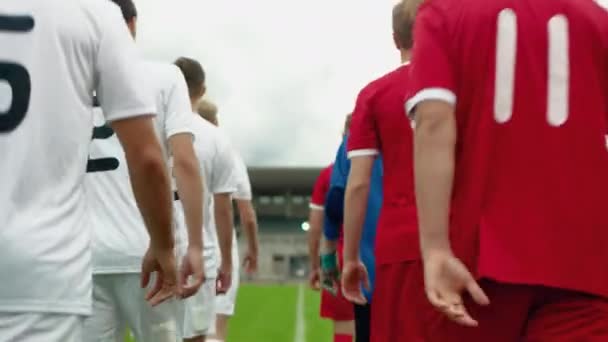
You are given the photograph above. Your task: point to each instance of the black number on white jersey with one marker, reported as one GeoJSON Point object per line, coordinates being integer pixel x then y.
{"type": "Point", "coordinates": [16, 75]}
{"type": "Point", "coordinates": [102, 164]}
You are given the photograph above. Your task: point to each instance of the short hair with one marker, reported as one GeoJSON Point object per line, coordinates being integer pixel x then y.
{"type": "Point", "coordinates": [193, 73]}
{"type": "Point", "coordinates": [128, 9]}
{"type": "Point", "coordinates": [207, 110]}
{"type": "Point", "coordinates": [404, 14]}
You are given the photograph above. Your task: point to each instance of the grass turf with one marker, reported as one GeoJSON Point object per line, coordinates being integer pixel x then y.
{"type": "Point", "coordinates": [268, 313]}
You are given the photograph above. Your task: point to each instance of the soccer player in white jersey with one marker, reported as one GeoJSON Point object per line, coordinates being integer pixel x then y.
{"type": "Point", "coordinates": [225, 303]}
{"type": "Point", "coordinates": [119, 242]}
{"type": "Point", "coordinates": [217, 165]}
{"type": "Point", "coordinates": [55, 55]}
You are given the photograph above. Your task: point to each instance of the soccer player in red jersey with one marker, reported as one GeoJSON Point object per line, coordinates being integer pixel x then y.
{"type": "Point", "coordinates": [510, 99]}
{"type": "Point", "coordinates": [380, 126]}
{"type": "Point", "coordinates": [333, 307]}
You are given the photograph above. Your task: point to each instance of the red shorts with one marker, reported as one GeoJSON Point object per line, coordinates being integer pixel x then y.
{"type": "Point", "coordinates": [521, 313]}
{"type": "Point", "coordinates": [337, 308]}
{"type": "Point", "coordinates": [398, 299]}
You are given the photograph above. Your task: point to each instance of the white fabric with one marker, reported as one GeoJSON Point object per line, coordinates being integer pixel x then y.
{"type": "Point", "coordinates": [214, 153]}
{"type": "Point", "coordinates": [225, 304]}
{"type": "Point", "coordinates": [119, 303]}
{"type": "Point", "coordinates": [41, 327]}
{"type": "Point", "coordinates": [243, 191]}
{"type": "Point", "coordinates": [429, 94]}
{"type": "Point", "coordinates": [74, 49]}
{"type": "Point", "coordinates": [363, 153]}
{"type": "Point", "coordinates": [120, 238]}
{"type": "Point", "coordinates": [197, 312]}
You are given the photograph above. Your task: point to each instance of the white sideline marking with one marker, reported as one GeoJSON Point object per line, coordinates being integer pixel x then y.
{"type": "Point", "coordinates": [300, 334]}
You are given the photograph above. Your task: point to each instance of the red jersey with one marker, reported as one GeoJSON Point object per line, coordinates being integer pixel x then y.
{"type": "Point", "coordinates": [319, 193]}
{"type": "Point", "coordinates": [529, 81]}
{"type": "Point", "coordinates": [379, 125]}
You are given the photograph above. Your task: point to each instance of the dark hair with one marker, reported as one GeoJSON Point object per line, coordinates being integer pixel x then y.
{"type": "Point", "coordinates": [193, 73]}
{"type": "Point", "coordinates": [404, 14]}
{"type": "Point", "coordinates": [128, 9]}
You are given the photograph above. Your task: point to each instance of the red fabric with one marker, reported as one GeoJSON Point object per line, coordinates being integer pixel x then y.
{"type": "Point", "coordinates": [337, 308]}
{"type": "Point", "coordinates": [520, 313]}
{"type": "Point", "coordinates": [343, 338]}
{"type": "Point", "coordinates": [379, 123]}
{"type": "Point", "coordinates": [529, 195]}
{"type": "Point", "coordinates": [321, 187]}
{"type": "Point", "coordinates": [399, 300]}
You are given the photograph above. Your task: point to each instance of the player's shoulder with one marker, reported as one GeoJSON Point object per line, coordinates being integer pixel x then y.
{"type": "Point", "coordinates": [381, 84]}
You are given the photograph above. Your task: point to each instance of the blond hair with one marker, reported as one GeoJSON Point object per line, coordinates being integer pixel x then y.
{"type": "Point", "coordinates": [208, 111]}
{"type": "Point", "coordinates": [404, 13]}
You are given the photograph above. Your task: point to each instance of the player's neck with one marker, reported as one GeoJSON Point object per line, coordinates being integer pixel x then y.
{"type": "Point", "coordinates": [194, 105]}
{"type": "Point", "coordinates": [406, 55]}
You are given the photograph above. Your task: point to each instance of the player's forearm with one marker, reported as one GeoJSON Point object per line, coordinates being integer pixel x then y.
{"type": "Point", "coordinates": [190, 189]}
{"type": "Point", "coordinates": [355, 208]}
{"type": "Point", "coordinates": [315, 220]}
{"type": "Point", "coordinates": [434, 149]}
{"type": "Point", "coordinates": [151, 187]}
{"type": "Point", "coordinates": [250, 224]}
{"type": "Point", "coordinates": [224, 225]}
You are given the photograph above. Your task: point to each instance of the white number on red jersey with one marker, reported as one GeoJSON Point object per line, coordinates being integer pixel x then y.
{"type": "Point", "coordinates": [558, 72]}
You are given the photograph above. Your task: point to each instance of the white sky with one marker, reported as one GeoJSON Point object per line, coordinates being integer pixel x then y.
{"type": "Point", "coordinates": [284, 73]}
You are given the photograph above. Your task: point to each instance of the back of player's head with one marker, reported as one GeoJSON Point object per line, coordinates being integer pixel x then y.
{"type": "Point", "coordinates": [404, 13]}
{"type": "Point", "coordinates": [208, 111]}
{"type": "Point", "coordinates": [194, 74]}
{"type": "Point", "coordinates": [129, 13]}
{"type": "Point", "coordinates": [347, 123]}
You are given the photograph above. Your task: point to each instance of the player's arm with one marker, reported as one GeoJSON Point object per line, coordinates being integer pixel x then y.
{"type": "Point", "coordinates": [355, 204]}
{"type": "Point", "coordinates": [434, 158]}
{"type": "Point", "coordinates": [249, 223]}
{"type": "Point", "coordinates": [123, 97]}
{"type": "Point", "coordinates": [189, 185]}
{"type": "Point", "coordinates": [186, 168]}
{"type": "Point", "coordinates": [315, 231]}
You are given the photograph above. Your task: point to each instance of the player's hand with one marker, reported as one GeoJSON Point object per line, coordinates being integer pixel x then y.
{"type": "Point", "coordinates": [330, 275]}
{"type": "Point", "coordinates": [354, 274]}
{"type": "Point", "coordinates": [250, 262]}
{"type": "Point", "coordinates": [446, 278]}
{"type": "Point", "coordinates": [161, 262]}
{"type": "Point", "coordinates": [224, 279]}
{"type": "Point", "coordinates": [314, 278]}
{"type": "Point", "coordinates": [192, 272]}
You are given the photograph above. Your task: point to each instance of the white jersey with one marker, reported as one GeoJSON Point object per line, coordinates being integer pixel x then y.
{"type": "Point", "coordinates": [54, 55]}
{"type": "Point", "coordinates": [120, 238]}
{"type": "Point", "coordinates": [214, 153]}
{"type": "Point", "coordinates": [243, 191]}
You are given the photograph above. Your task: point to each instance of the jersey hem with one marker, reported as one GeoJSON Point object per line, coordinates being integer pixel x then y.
{"type": "Point", "coordinates": [366, 152]}
{"type": "Point", "coordinates": [224, 190]}
{"type": "Point", "coordinates": [130, 113]}
{"type": "Point", "coordinates": [29, 306]}
{"type": "Point", "coordinates": [316, 207]}
{"type": "Point", "coordinates": [442, 94]}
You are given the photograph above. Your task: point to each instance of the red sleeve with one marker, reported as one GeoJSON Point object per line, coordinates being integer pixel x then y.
{"type": "Point", "coordinates": [432, 74]}
{"type": "Point", "coordinates": [317, 201]}
{"type": "Point", "coordinates": [363, 137]}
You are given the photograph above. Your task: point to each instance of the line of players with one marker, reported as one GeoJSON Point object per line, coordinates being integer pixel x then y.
{"type": "Point", "coordinates": [492, 225]}
{"type": "Point", "coordinates": [73, 70]}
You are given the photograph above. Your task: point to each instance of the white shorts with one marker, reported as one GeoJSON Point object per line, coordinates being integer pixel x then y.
{"type": "Point", "coordinates": [41, 327]}
{"type": "Point", "coordinates": [225, 303]}
{"type": "Point", "coordinates": [197, 312]}
{"type": "Point", "coordinates": [119, 302]}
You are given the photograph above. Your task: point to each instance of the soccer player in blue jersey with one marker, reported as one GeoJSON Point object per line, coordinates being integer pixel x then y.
{"type": "Point", "coordinates": [334, 207]}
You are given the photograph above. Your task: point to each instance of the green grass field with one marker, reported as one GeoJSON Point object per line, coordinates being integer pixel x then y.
{"type": "Point", "coordinates": [269, 313]}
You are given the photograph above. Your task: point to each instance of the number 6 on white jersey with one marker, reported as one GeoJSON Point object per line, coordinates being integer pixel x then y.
{"type": "Point", "coordinates": [558, 71]}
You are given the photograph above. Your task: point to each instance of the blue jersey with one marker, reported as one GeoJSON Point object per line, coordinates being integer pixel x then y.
{"type": "Point", "coordinates": [334, 209]}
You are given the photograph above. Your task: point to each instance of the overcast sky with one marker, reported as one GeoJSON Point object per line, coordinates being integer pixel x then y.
{"type": "Point", "coordinates": [284, 73]}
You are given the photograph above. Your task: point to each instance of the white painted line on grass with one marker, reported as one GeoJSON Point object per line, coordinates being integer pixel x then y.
{"type": "Point", "coordinates": [300, 333]}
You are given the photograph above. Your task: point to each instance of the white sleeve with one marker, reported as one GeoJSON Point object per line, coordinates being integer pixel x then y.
{"type": "Point", "coordinates": [224, 168]}
{"type": "Point", "coordinates": [179, 109]}
{"type": "Point", "coordinates": [243, 185]}
{"type": "Point", "coordinates": [118, 71]}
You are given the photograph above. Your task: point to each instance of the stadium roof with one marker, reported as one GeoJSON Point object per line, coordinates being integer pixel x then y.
{"type": "Point", "coordinates": [281, 180]}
